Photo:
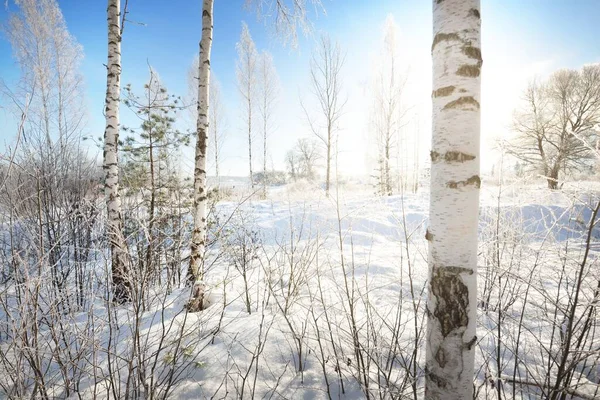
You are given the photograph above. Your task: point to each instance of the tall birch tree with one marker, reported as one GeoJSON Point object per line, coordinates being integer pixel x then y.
{"type": "Point", "coordinates": [268, 88]}
{"type": "Point", "coordinates": [196, 267]}
{"type": "Point", "coordinates": [287, 19]}
{"type": "Point", "coordinates": [49, 58]}
{"type": "Point", "coordinates": [454, 201]}
{"type": "Point", "coordinates": [326, 84]}
{"type": "Point", "coordinates": [247, 73]}
{"type": "Point", "coordinates": [218, 122]}
{"type": "Point", "coordinates": [120, 265]}
{"type": "Point", "coordinates": [388, 113]}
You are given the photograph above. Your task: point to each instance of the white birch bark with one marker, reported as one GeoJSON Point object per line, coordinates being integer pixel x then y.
{"type": "Point", "coordinates": [196, 267]}
{"type": "Point", "coordinates": [325, 76]}
{"type": "Point", "coordinates": [246, 72]}
{"type": "Point", "coordinates": [120, 268]}
{"type": "Point", "coordinates": [454, 204]}
{"type": "Point", "coordinates": [268, 83]}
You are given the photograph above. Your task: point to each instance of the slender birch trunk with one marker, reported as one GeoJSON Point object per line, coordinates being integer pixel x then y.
{"type": "Point", "coordinates": [454, 204]}
{"type": "Point", "coordinates": [196, 267]}
{"type": "Point", "coordinates": [250, 141]}
{"type": "Point", "coordinates": [246, 76]}
{"type": "Point", "coordinates": [325, 75]}
{"type": "Point", "coordinates": [268, 89]}
{"type": "Point", "coordinates": [215, 138]}
{"type": "Point", "coordinates": [120, 267]}
{"type": "Point", "coordinates": [264, 156]}
{"type": "Point", "coordinates": [328, 169]}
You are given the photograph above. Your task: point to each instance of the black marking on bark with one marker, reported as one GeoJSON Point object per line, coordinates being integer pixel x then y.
{"type": "Point", "coordinates": [461, 102]}
{"type": "Point", "coordinates": [196, 302]}
{"type": "Point", "coordinates": [472, 181]}
{"type": "Point", "coordinates": [471, 342]}
{"type": "Point", "coordinates": [428, 235]}
{"type": "Point", "coordinates": [452, 298]}
{"type": "Point", "coordinates": [451, 156]}
{"type": "Point", "coordinates": [473, 12]}
{"type": "Point", "coordinates": [438, 380]}
{"type": "Point", "coordinates": [445, 91]}
{"type": "Point", "coordinates": [441, 37]}
{"type": "Point", "coordinates": [474, 53]}
{"type": "Point", "coordinates": [469, 70]}
{"type": "Point", "coordinates": [440, 357]}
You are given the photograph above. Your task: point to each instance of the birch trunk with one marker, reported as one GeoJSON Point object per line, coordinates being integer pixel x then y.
{"type": "Point", "coordinates": [196, 267]}
{"type": "Point", "coordinates": [454, 204]}
{"type": "Point", "coordinates": [120, 267]}
{"type": "Point", "coordinates": [246, 73]}
{"type": "Point", "coordinates": [250, 141]}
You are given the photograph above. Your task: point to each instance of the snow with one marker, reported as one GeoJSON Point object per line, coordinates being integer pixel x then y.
{"type": "Point", "coordinates": [318, 262]}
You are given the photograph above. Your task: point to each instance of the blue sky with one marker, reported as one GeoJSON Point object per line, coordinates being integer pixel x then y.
{"type": "Point", "coordinates": [521, 39]}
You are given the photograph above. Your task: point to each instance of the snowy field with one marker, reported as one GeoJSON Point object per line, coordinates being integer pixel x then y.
{"type": "Point", "coordinates": [313, 297]}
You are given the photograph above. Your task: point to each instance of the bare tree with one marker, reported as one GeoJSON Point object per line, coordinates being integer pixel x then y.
{"type": "Point", "coordinates": [218, 121]}
{"type": "Point", "coordinates": [49, 59]}
{"type": "Point", "coordinates": [268, 90]}
{"type": "Point", "coordinates": [289, 16]}
{"type": "Point", "coordinates": [454, 201]}
{"type": "Point", "coordinates": [326, 83]}
{"type": "Point", "coordinates": [247, 72]}
{"type": "Point", "coordinates": [305, 159]}
{"type": "Point", "coordinates": [291, 161]}
{"type": "Point", "coordinates": [557, 127]}
{"type": "Point", "coordinates": [388, 113]}
{"type": "Point", "coordinates": [196, 268]}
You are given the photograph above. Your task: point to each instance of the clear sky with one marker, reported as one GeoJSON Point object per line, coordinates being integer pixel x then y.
{"type": "Point", "coordinates": [520, 39]}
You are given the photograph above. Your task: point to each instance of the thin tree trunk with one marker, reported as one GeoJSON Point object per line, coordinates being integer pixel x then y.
{"type": "Point", "coordinates": [120, 265]}
{"type": "Point", "coordinates": [552, 178]}
{"type": "Point", "coordinates": [196, 267]}
{"type": "Point", "coordinates": [387, 176]}
{"type": "Point", "coordinates": [215, 129]}
{"type": "Point", "coordinates": [454, 204]}
{"type": "Point", "coordinates": [265, 149]}
{"type": "Point", "coordinates": [328, 161]}
{"type": "Point", "coordinates": [250, 137]}
{"type": "Point", "coordinates": [151, 211]}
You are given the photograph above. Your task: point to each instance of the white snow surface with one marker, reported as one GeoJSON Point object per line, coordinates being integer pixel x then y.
{"type": "Point", "coordinates": [353, 242]}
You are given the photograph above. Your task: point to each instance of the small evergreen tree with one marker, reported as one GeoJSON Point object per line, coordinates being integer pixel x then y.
{"type": "Point", "coordinates": [149, 171]}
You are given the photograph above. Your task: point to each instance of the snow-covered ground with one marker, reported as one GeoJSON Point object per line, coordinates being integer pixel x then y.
{"type": "Point", "coordinates": [324, 297]}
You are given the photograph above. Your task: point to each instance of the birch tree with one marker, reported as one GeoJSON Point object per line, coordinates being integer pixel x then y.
{"type": "Point", "coordinates": [291, 20]}
{"type": "Point", "coordinates": [287, 16]}
{"type": "Point", "coordinates": [247, 72]}
{"type": "Point", "coordinates": [326, 84]}
{"type": "Point", "coordinates": [454, 201]}
{"type": "Point", "coordinates": [49, 58]}
{"type": "Point", "coordinates": [198, 243]}
{"type": "Point", "coordinates": [218, 122]}
{"type": "Point", "coordinates": [268, 88]}
{"type": "Point", "coordinates": [388, 113]}
{"type": "Point", "coordinates": [120, 265]}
